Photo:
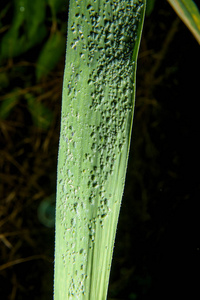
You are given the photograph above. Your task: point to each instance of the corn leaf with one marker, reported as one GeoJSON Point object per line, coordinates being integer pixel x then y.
{"type": "Point", "coordinates": [96, 122]}
{"type": "Point", "coordinates": [189, 14]}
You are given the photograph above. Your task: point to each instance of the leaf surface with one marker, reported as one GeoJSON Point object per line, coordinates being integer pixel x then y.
{"type": "Point", "coordinates": [97, 115]}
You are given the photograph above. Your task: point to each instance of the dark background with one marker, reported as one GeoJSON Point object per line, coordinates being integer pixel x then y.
{"type": "Point", "coordinates": [156, 253]}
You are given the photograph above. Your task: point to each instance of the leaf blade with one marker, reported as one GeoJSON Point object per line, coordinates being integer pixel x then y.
{"type": "Point", "coordinates": [97, 114]}
{"type": "Point", "coordinates": [189, 14]}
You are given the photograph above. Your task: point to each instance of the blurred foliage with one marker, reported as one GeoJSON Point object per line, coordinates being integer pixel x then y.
{"type": "Point", "coordinates": [50, 54]}
{"type": "Point", "coordinates": [189, 13]}
{"type": "Point", "coordinates": [46, 211]}
{"type": "Point", "coordinates": [32, 35]}
{"type": "Point", "coordinates": [149, 7]}
{"type": "Point", "coordinates": [7, 105]}
{"type": "Point", "coordinates": [41, 115]}
{"type": "Point", "coordinates": [25, 31]}
{"type": "Point", "coordinates": [56, 5]}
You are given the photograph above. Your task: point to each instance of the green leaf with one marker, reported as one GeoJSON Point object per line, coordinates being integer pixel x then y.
{"type": "Point", "coordinates": [27, 29]}
{"type": "Point", "coordinates": [189, 14]}
{"type": "Point", "coordinates": [41, 115]}
{"type": "Point", "coordinates": [4, 80]}
{"type": "Point", "coordinates": [3, 12]}
{"type": "Point", "coordinates": [97, 115]}
{"type": "Point", "coordinates": [50, 54]}
{"type": "Point", "coordinates": [56, 5]}
{"type": "Point", "coordinates": [6, 106]}
{"type": "Point", "coordinates": [149, 7]}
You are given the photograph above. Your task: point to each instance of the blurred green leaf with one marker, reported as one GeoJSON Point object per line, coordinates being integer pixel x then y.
{"type": "Point", "coordinates": [56, 5]}
{"type": "Point", "coordinates": [149, 7]}
{"type": "Point", "coordinates": [3, 12]}
{"type": "Point", "coordinates": [41, 115]}
{"type": "Point", "coordinates": [4, 80]}
{"type": "Point", "coordinates": [50, 54]}
{"type": "Point", "coordinates": [189, 14]}
{"type": "Point", "coordinates": [27, 28]}
{"type": "Point", "coordinates": [6, 106]}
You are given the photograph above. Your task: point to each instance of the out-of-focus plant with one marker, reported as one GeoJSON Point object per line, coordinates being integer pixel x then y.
{"type": "Point", "coordinates": [189, 14]}
{"type": "Point", "coordinates": [29, 27]}
{"type": "Point", "coordinates": [187, 11]}
{"type": "Point", "coordinates": [25, 31]}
